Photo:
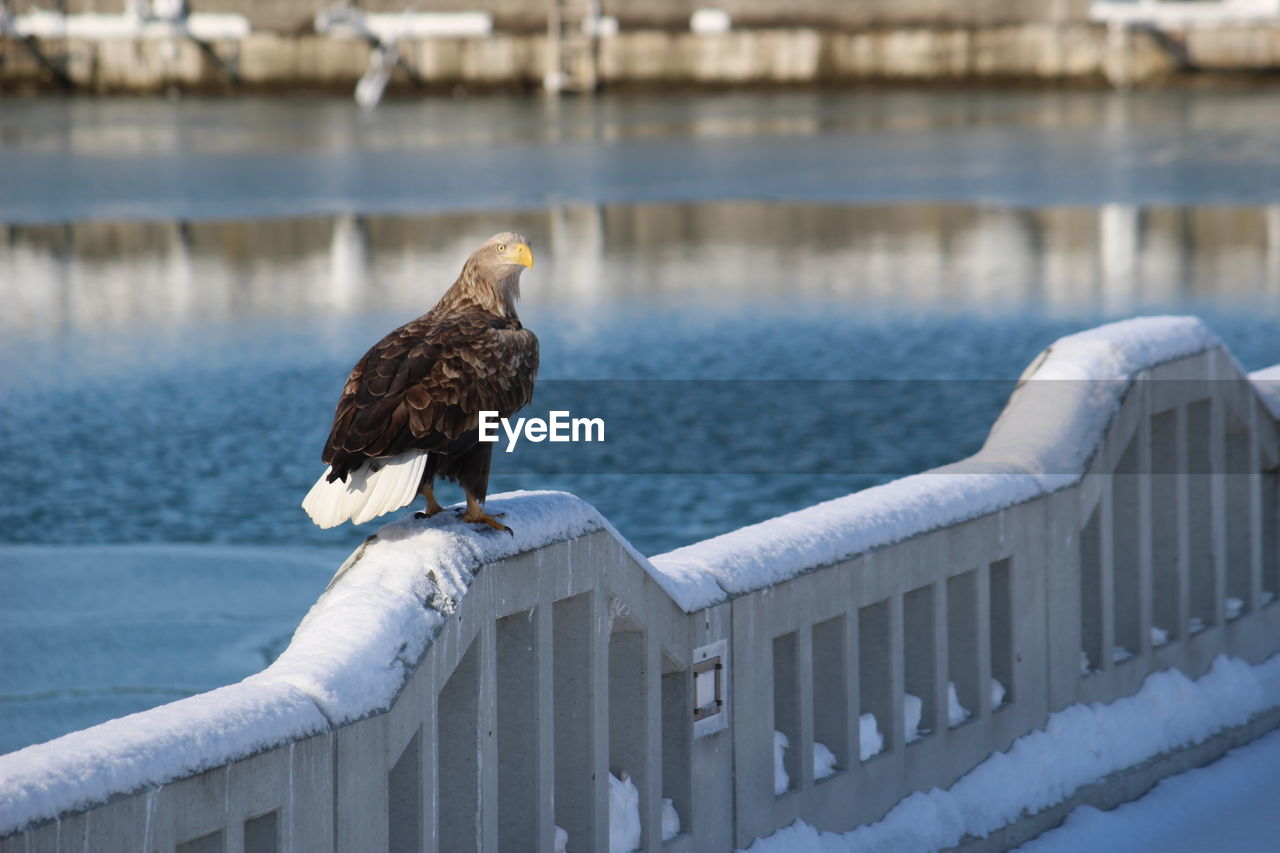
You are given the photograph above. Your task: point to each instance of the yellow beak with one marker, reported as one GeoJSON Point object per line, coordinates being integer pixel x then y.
{"type": "Point", "coordinates": [523, 255]}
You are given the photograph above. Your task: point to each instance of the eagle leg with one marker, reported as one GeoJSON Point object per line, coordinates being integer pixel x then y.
{"type": "Point", "coordinates": [433, 506]}
{"type": "Point", "coordinates": [475, 514]}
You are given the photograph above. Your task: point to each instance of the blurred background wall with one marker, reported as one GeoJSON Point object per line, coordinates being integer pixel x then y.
{"type": "Point", "coordinates": [290, 15]}
{"type": "Point", "coordinates": [651, 44]}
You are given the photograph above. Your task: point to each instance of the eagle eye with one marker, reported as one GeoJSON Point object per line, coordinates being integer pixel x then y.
{"type": "Point", "coordinates": [501, 247]}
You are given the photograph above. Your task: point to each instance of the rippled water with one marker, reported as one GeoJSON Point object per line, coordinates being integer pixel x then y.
{"type": "Point", "coordinates": [185, 286]}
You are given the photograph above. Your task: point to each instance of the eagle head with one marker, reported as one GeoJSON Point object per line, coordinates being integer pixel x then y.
{"type": "Point", "coordinates": [491, 276]}
{"type": "Point", "coordinates": [504, 254]}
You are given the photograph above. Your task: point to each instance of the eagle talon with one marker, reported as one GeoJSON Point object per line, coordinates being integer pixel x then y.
{"type": "Point", "coordinates": [483, 517]}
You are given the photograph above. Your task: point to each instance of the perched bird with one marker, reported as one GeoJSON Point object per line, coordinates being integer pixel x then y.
{"type": "Point", "coordinates": [410, 408]}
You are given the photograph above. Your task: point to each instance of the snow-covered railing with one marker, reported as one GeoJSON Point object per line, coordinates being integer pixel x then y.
{"type": "Point", "coordinates": [455, 690]}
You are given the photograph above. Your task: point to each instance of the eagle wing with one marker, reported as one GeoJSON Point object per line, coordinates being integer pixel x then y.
{"type": "Point", "coordinates": [424, 385]}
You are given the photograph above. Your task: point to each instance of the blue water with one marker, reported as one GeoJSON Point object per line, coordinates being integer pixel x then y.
{"type": "Point", "coordinates": [171, 352]}
{"type": "Point", "coordinates": [135, 158]}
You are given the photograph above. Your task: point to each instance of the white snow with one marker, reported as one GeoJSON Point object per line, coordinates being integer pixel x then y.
{"type": "Point", "coordinates": [1159, 636]}
{"type": "Point", "coordinates": [870, 741]}
{"type": "Point", "coordinates": [348, 658]}
{"type": "Point", "coordinates": [624, 814]}
{"type": "Point", "coordinates": [956, 713]}
{"type": "Point", "coordinates": [1042, 442]}
{"type": "Point", "coordinates": [353, 650]}
{"type": "Point", "coordinates": [561, 841]}
{"type": "Point", "coordinates": [1227, 805]}
{"type": "Point", "coordinates": [670, 820]}
{"type": "Point", "coordinates": [912, 709]}
{"type": "Point", "coordinates": [781, 781]}
{"type": "Point", "coordinates": [1080, 745]}
{"type": "Point", "coordinates": [1119, 654]}
{"type": "Point", "coordinates": [1267, 383]}
{"type": "Point", "coordinates": [142, 750]}
{"type": "Point", "coordinates": [824, 761]}
{"type": "Point", "coordinates": [1234, 607]}
{"type": "Point", "coordinates": [997, 694]}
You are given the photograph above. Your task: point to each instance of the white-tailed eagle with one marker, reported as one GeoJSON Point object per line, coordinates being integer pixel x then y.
{"type": "Point", "coordinates": [410, 409]}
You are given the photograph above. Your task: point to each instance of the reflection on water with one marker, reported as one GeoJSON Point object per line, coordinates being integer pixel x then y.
{"type": "Point", "coordinates": [1113, 259]}
{"type": "Point", "coordinates": [148, 126]}
{"type": "Point", "coordinates": [76, 159]}
{"type": "Point", "coordinates": [185, 373]}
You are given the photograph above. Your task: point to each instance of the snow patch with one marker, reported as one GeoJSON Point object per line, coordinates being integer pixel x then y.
{"type": "Point", "coordinates": [1267, 383]}
{"type": "Point", "coordinates": [146, 749]}
{"type": "Point", "coordinates": [624, 814]}
{"type": "Point", "coordinates": [1227, 805]}
{"type": "Point", "coordinates": [781, 781]}
{"type": "Point", "coordinates": [912, 709]}
{"type": "Point", "coordinates": [956, 713]}
{"type": "Point", "coordinates": [870, 741]}
{"type": "Point", "coordinates": [1234, 607]}
{"type": "Point", "coordinates": [670, 820]}
{"type": "Point", "coordinates": [997, 694]}
{"type": "Point", "coordinates": [354, 649]}
{"type": "Point", "coordinates": [824, 761]}
{"type": "Point", "coordinates": [1080, 745]}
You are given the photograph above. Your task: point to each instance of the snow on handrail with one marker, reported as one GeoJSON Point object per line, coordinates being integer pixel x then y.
{"type": "Point", "coordinates": [1267, 383]}
{"type": "Point", "coordinates": [1042, 442]}
{"type": "Point", "coordinates": [349, 658]}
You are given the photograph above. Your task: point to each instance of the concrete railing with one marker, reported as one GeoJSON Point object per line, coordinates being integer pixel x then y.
{"type": "Point", "coordinates": [460, 691]}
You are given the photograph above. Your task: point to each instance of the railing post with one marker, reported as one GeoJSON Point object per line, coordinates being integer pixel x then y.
{"type": "Point", "coordinates": [1107, 573]}
{"type": "Point", "coordinates": [1146, 574]}
{"type": "Point", "coordinates": [1218, 490]}
{"type": "Point", "coordinates": [487, 726]}
{"type": "Point", "coordinates": [893, 732]}
{"type": "Point", "coordinates": [545, 719]}
{"type": "Point", "coordinates": [1255, 500]}
{"type": "Point", "coordinates": [651, 795]}
{"type": "Point", "coordinates": [599, 718]}
{"type": "Point", "coordinates": [804, 703]}
{"type": "Point", "coordinates": [628, 718]}
{"type": "Point", "coordinates": [581, 702]}
{"type": "Point", "coordinates": [1182, 478]}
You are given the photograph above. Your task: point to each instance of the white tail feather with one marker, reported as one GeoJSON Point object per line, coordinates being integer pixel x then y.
{"type": "Point", "coordinates": [367, 493]}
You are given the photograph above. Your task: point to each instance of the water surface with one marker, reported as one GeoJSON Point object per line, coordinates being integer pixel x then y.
{"type": "Point", "coordinates": [185, 286]}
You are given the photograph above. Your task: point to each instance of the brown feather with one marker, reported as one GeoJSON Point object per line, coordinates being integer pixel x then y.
{"type": "Point", "coordinates": [424, 384]}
